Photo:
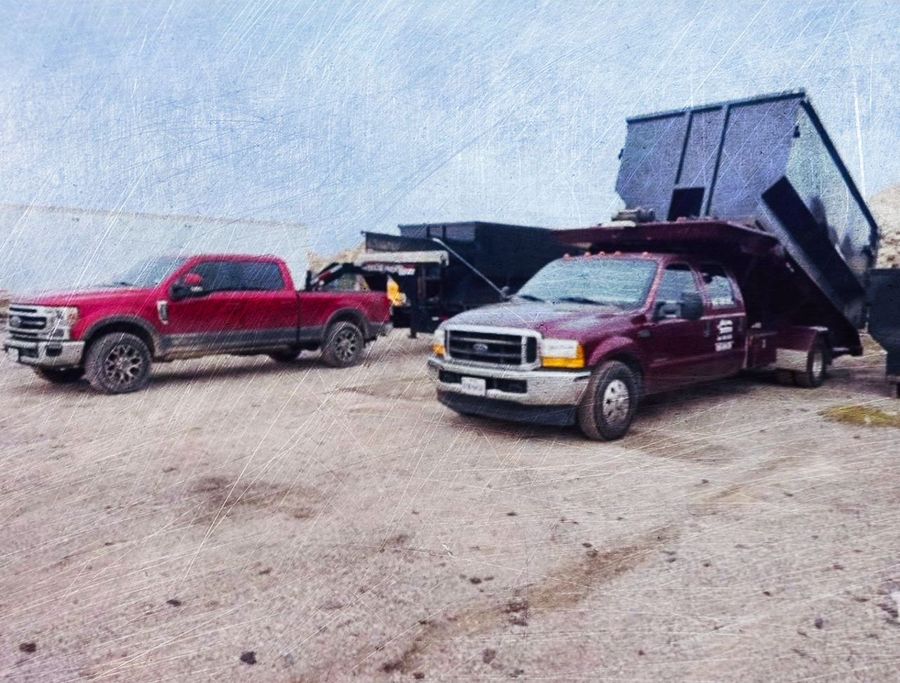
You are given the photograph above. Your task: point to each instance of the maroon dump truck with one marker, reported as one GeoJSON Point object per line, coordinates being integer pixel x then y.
{"type": "Point", "coordinates": [178, 307]}
{"type": "Point", "coordinates": [590, 335]}
{"type": "Point", "coordinates": [765, 261]}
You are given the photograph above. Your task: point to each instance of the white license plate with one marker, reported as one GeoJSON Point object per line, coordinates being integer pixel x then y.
{"type": "Point", "coordinates": [13, 355]}
{"type": "Point", "coordinates": [474, 386]}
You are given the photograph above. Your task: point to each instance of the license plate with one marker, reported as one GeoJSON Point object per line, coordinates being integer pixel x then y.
{"type": "Point", "coordinates": [13, 355]}
{"type": "Point", "coordinates": [474, 386]}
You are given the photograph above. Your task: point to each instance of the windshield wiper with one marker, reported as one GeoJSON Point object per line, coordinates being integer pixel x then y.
{"type": "Point", "coordinates": [530, 297]}
{"type": "Point", "coordinates": [581, 300]}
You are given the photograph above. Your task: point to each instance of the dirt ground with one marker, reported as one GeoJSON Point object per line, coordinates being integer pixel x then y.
{"type": "Point", "coordinates": [241, 520]}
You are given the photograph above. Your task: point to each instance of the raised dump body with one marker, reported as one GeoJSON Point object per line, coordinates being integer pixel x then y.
{"type": "Point", "coordinates": [765, 161]}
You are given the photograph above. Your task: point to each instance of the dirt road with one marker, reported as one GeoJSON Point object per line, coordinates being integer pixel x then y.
{"type": "Point", "coordinates": [242, 520]}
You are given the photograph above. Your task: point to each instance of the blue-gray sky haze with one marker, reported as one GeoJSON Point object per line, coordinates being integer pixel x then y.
{"type": "Point", "coordinates": [349, 116]}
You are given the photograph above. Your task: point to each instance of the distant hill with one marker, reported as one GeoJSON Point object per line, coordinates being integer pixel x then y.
{"type": "Point", "coordinates": [886, 207]}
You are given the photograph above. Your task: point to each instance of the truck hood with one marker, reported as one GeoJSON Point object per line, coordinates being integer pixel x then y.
{"type": "Point", "coordinates": [566, 320]}
{"type": "Point", "coordinates": [85, 297]}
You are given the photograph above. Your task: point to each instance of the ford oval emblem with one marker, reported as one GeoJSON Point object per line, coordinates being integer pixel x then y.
{"type": "Point", "coordinates": [15, 321]}
{"type": "Point", "coordinates": [479, 347]}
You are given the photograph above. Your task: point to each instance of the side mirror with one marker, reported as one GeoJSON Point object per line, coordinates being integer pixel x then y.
{"type": "Point", "coordinates": [179, 292]}
{"type": "Point", "coordinates": [666, 310]}
{"type": "Point", "coordinates": [691, 306]}
{"type": "Point", "coordinates": [190, 285]}
{"type": "Point", "coordinates": [193, 281]}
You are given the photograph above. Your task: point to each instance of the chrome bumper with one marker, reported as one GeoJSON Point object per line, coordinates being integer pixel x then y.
{"type": "Point", "coordinates": [542, 387]}
{"type": "Point", "coordinates": [45, 354]}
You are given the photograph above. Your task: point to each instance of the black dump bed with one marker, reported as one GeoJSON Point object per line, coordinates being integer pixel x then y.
{"type": "Point", "coordinates": [768, 162]}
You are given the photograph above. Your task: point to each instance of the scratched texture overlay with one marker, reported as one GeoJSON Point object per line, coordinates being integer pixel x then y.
{"type": "Point", "coordinates": [246, 520]}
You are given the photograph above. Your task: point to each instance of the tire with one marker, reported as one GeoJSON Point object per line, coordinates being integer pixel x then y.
{"type": "Point", "coordinates": [60, 376]}
{"type": "Point", "coordinates": [286, 356]}
{"type": "Point", "coordinates": [344, 344]}
{"type": "Point", "coordinates": [816, 367]}
{"type": "Point", "coordinates": [609, 403]}
{"type": "Point", "coordinates": [118, 363]}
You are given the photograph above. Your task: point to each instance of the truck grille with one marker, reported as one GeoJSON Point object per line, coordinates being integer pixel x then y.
{"type": "Point", "coordinates": [491, 348]}
{"type": "Point", "coordinates": [26, 322]}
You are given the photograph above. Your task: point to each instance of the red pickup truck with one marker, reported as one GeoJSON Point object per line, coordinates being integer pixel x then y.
{"type": "Point", "coordinates": [178, 307]}
{"type": "Point", "coordinates": [589, 335]}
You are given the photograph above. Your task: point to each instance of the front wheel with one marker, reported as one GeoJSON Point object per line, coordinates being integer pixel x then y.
{"type": "Point", "coordinates": [609, 403]}
{"type": "Point", "coordinates": [344, 344]}
{"type": "Point", "coordinates": [118, 363]}
{"type": "Point", "coordinates": [60, 375]}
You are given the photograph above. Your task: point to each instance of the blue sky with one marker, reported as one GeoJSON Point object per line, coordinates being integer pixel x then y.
{"type": "Point", "coordinates": [349, 116]}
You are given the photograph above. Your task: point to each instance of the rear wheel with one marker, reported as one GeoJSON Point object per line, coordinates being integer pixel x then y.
{"type": "Point", "coordinates": [285, 356]}
{"type": "Point", "coordinates": [118, 363]}
{"type": "Point", "coordinates": [344, 344]}
{"type": "Point", "coordinates": [60, 375]}
{"type": "Point", "coordinates": [609, 403]}
{"type": "Point", "coordinates": [816, 366]}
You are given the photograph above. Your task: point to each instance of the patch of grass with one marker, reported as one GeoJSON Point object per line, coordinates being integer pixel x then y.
{"type": "Point", "coordinates": [866, 416]}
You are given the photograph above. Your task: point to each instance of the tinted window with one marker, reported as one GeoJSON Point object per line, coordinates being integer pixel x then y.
{"type": "Point", "coordinates": [718, 286]}
{"type": "Point", "coordinates": [264, 277]}
{"type": "Point", "coordinates": [676, 280]}
{"type": "Point", "coordinates": [218, 276]}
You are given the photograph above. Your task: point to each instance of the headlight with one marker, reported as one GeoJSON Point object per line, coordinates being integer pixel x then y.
{"type": "Point", "coordinates": [65, 316]}
{"type": "Point", "coordinates": [438, 347]}
{"type": "Point", "coordinates": [562, 353]}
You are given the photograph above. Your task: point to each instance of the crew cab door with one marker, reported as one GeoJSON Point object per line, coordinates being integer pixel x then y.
{"type": "Point", "coordinates": [239, 305]}
{"type": "Point", "coordinates": [725, 321]}
{"type": "Point", "coordinates": [203, 319]}
{"type": "Point", "coordinates": [676, 348]}
{"type": "Point", "coordinates": [268, 307]}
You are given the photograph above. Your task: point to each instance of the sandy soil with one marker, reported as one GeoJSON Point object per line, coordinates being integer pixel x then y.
{"type": "Point", "coordinates": [242, 520]}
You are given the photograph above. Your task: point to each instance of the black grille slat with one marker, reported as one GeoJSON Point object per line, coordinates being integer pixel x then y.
{"type": "Point", "coordinates": [512, 341]}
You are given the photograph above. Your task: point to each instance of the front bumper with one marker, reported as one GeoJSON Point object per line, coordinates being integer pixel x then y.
{"type": "Point", "coordinates": [45, 354]}
{"type": "Point", "coordinates": [538, 396]}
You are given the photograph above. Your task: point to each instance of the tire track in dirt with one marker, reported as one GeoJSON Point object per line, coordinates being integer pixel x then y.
{"type": "Point", "coordinates": [561, 589]}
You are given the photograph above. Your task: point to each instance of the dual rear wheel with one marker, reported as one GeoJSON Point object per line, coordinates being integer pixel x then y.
{"type": "Point", "coordinates": [813, 375]}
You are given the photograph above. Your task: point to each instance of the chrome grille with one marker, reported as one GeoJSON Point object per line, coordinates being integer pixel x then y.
{"type": "Point", "coordinates": [27, 322]}
{"type": "Point", "coordinates": [491, 348]}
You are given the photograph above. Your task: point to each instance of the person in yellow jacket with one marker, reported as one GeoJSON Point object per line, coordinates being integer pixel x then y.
{"type": "Point", "coordinates": [396, 297]}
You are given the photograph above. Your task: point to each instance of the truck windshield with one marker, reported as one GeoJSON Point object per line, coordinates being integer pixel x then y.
{"type": "Point", "coordinates": [149, 273]}
{"type": "Point", "coordinates": [623, 283]}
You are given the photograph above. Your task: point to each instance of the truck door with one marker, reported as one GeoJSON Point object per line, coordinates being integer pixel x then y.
{"type": "Point", "coordinates": [725, 321]}
{"type": "Point", "coordinates": [268, 311]}
{"type": "Point", "coordinates": [203, 321]}
{"type": "Point", "coordinates": [676, 347]}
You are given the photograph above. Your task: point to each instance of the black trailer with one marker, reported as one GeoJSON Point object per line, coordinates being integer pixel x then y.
{"type": "Point", "coordinates": [485, 262]}
{"type": "Point", "coordinates": [768, 162]}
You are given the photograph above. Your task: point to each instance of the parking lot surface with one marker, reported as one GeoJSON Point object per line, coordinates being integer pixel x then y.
{"type": "Point", "coordinates": [245, 520]}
